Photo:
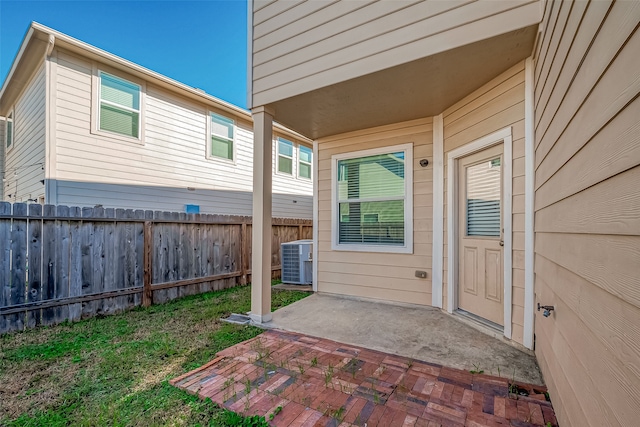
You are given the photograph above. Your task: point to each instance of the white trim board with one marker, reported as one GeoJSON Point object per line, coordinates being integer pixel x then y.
{"type": "Point", "coordinates": [437, 258]}
{"type": "Point", "coordinates": [529, 207]}
{"type": "Point", "coordinates": [314, 174]}
{"type": "Point", "coordinates": [500, 137]}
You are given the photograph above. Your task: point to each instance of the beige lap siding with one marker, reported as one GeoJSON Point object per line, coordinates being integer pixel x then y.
{"type": "Point", "coordinates": [385, 276]}
{"type": "Point", "coordinates": [496, 105]}
{"type": "Point", "coordinates": [587, 202]}
{"type": "Point", "coordinates": [299, 46]}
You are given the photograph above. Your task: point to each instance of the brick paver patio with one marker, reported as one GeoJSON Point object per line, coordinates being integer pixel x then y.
{"type": "Point", "coordinates": [305, 381]}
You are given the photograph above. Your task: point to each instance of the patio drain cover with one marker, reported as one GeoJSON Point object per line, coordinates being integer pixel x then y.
{"type": "Point", "coordinates": [238, 319]}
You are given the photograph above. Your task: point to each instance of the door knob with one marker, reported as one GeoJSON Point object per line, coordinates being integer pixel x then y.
{"type": "Point", "coordinates": [501, 242]}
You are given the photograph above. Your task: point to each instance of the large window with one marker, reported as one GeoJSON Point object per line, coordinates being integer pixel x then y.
{"type": "Point", "coordinates": [9, 130]}
{"type": "Point", "coordinates": [304, 164]}
{"type": "Point", "coordinates": [222, 130]}
{"type": "Point", "coordinates": [119, 106]}
{"type": "Point", "coordinates": [285, 156]}
{"type": "Point", "coordinates": [373, 200]}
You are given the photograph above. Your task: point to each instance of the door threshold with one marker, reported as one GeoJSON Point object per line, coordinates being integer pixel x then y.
{"type": "Point", "coordinates": [487, 327]}
{"type": "Point", "coordinates": [480, 320]}
{"type": "Point", "coordinates": [483, 325]}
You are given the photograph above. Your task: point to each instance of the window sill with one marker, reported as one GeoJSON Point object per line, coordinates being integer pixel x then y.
{"type": "Point", "coordinates": [119, 137]}
{"type": "Point", "coordinates": [230, 162]}
{"type": "Point", "coordinates": [373, 248]}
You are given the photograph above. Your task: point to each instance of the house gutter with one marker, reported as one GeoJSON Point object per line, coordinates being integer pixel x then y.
{"type": "Point", "coordinates": [65, 41]}
{"type": "Point", "coordinates": [23, 46]}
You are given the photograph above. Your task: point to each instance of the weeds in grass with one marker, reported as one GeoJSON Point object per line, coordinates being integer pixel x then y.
{"type": "Point", "coordinates": [116, 368]}
{"type": "Point", "coordinates": [314, 362]}
{"type": "Point", "coordinates": [301, 368]}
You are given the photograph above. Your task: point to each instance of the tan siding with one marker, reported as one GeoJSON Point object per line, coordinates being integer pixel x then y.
{"type": "Point", "coordinates": [496, 105]}
{"type": "Point", "coordinates": [298, 47]}
{"type": "Point", "coordinates": [378, 275]}
{"type": "Point", "coordinates": [155, 174]}
{"type": "Point", "coordinates": [25, 159]}
{"type": "Point", "coordinates": [587, 211]}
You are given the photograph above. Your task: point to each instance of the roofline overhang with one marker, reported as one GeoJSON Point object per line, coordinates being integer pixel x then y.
{"type": "Point", "coordinates": [52, 37]}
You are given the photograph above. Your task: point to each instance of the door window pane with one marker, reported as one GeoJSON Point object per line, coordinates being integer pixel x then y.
{"type": "Point", "coordinates": [483, 198]}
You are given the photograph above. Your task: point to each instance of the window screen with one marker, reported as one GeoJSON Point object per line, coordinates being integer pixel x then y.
{"type": "Point", "coordinates": [304, 169]}
{"type": "Point", "coordinates": [119, 106]}
{"type": "Point", "coordinates": [221, 136]}
{"type": "Point", "coordinates": [285, 156]}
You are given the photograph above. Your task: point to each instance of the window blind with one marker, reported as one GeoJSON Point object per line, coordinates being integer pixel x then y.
{"type": "Point", "coordinates": [483, 183]}
{"type": "Point", "coordinates": [119, 106]}
{"type": "Point", "coordinates": [222, 130]}
{"type": "Point", "coordinates": [371, 198]}
{"type": "Point", "coordinates": [285, 156]}
{"type": "Point", "coordinates": [305, 162]}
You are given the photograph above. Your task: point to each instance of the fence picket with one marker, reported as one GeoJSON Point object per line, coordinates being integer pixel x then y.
{"type": "Point", "coordinates": [18, 264]}
{"type": "Point", "coordinates": [5, 266]}
{"type": "Point", "coordinates": [62, 263]}
{"type": "Point", "coordinates": [34, 264]}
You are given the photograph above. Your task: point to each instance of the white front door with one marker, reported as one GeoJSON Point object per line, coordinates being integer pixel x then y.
{"type": "Point", "coordinates": [480, 246]}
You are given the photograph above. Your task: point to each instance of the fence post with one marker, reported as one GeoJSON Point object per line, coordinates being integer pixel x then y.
{"type": "Point", "coordinates": [244, 253]}
{"type": "Point", "coordinates": [300, 232]}
{"type": "Point", "coordinates": [147, 297]}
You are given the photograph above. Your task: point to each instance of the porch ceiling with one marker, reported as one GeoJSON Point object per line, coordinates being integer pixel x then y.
{"type": "Point", "coordinates": [422, 88]}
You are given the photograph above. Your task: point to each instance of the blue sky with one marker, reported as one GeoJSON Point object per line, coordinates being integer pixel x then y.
{"type": "Point", "coordinates": [199, 43]}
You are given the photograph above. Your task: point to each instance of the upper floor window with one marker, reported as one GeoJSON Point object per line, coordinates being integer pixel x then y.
{"type": "Point", "coordinates": [222, 134]}
{"type": "Point", "coordinates": [119, 110]}
{"type": "Point", "coordinates": [9, 131]}
{"type": "Point", "coordinates": [304, 164]}
{"type": "Point", "coordinates": [285, 156]}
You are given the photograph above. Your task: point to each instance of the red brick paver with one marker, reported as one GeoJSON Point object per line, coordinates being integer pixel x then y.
{"type": "Point", "coordinates": [316, 382]}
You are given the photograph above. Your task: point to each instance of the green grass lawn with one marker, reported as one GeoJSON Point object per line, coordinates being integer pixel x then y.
{"type": "Point", "coordinates": [114, 370]}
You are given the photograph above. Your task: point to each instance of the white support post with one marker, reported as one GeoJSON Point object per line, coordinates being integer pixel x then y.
{"type": "Point", "coordinates": [261, 226]}
{"type": "Point", "coordinates": [437, 262]}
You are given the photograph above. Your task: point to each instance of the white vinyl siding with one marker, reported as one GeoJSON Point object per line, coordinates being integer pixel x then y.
{"type": "Point", "coordinates": [119, 110]}
{"type": "Point", "coordinates": [375, 183]}
{"type": "Point", "coordinates": [222, 137]}
{"type": "Point", "coordinates": [24, 161]}
{"type": "Point", "coordinates": [285, 156]}
{"type": "Point", "coordinates": [302, 46]}
{"type": "Point", "coordinates": [305, 155]}
{"type": "Point", "coordinates": [104, 168]}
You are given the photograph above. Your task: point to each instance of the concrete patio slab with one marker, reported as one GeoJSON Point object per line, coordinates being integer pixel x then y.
{"type": "Point", "coordinates": [422, 333]}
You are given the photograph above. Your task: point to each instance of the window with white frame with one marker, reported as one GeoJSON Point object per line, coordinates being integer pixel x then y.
{"type": "Point", "coordinates": [222, 135]}
{"type": "Point", "coordinates": [285, 156]}
{"type": "Point", "coordinates": [304, 162]}
{"type": "Point", "coordinates": [372, 200]}
{"type": "Point", "coordinates": [9, 131]}
{"type": "Point", "coordinates": [119, 109]}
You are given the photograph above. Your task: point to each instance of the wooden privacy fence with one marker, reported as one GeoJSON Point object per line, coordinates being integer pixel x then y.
{"type": "Point", "coordinates": [62, 263]}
